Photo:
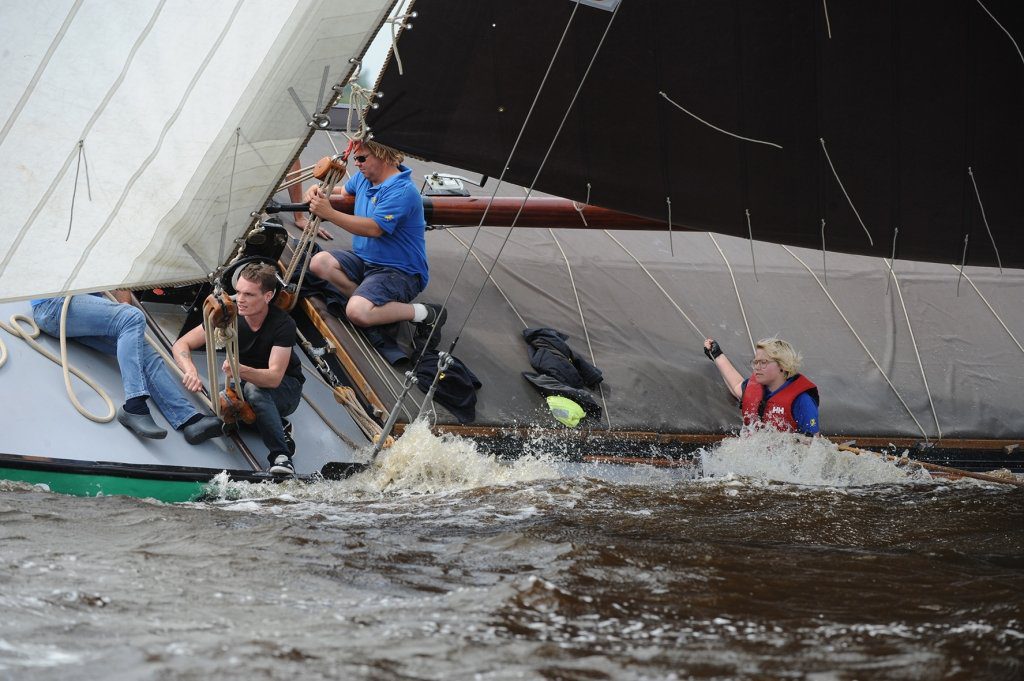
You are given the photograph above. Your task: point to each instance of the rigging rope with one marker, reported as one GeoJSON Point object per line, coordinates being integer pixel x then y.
{"type": "Point", "coordinates": [343, 395]}
{"type": "Point", "coordinates": [346, 397]}
{"type": "Point", "coordinates": [399, 21]}
{"type": "Point", "coordinates": [540, 168]}
{"type": "Point", "coordinates": [660, 288]}
{"type": "Point", "coordinates": [583, 321]}
{"type": "Point", "coordinates": [33, 332]}
{"type": "Point", "coordinates": [984, 218]}
{"type": "Point", "coordinates": [824, 264]}
{"type": "Point", "coordinates": [483, 217]}
{"type": "Point", "coordinates": [841, 186]}
{"type": "Point", "coordinates": [493, 281]}
{"type": "Point", "coordinates": [295, 177]}
{"type": "Point", "coordinates": [231, 190]}
{"type": "Point", "coordinates": [385, 373]}
{"type": "Point", "coordinates": [855, 335]}
{"type": "Point", "coordinates": [332, 174]}
{"type": "Point", "coordinates": [74, 188]}
{"type": "Point", "coordinates": [917, 353]}
{"type": "Point", "coordinates": [1008, 34]}
{"type": "Point", "coordinates": [892, 258]}
{"type": "Point", "coordinates": [505, 168]}
{"type": "Point", "coordinates": [963, 261]}
{"type": "Point", "coordinates": [671, 245]}
{"type": "Point", "coordinates": [715, 127]}
{"type": "Point", "coordinates": [736, 288]}
{"type": "Point", "coordinates": [750, 237]}
{"type": "Point", "coordinates": [220, 321]}
{"type": "Point", "coordinates": [579, 208]}
{"type": "Point", "coordinates": [67, 376]}
{"type": "Point", "coordinates": [29, 337]}
{"type": "Point", "coordinates": [991, 309]}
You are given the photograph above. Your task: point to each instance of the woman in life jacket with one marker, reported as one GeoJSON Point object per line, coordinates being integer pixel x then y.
{"type": "Point", "coordinates": [774, 394]}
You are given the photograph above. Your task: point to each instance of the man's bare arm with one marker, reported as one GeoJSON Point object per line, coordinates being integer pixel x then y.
{"type": "Point", "coordinates": [182, 353]}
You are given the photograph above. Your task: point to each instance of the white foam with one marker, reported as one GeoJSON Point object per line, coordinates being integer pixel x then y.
{"type": "Point", "coordinates": [421, 462]}
{"type": "Point", "coordinates": [769, 455]}
{"type": "Point", "coordinates": [34, 655]}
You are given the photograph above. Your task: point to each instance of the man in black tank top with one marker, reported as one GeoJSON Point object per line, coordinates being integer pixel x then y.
{"type": "Point", "coordinates": [269, 370]}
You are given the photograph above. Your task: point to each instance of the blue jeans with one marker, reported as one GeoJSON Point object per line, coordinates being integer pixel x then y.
{"type": "Point", "coordinates": [119, 330]}
{"type": "Point", "coordinates": [271, 405]}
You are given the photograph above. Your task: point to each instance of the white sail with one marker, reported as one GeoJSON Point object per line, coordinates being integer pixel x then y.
{"type": "Point", "coordinates": [133, 133]}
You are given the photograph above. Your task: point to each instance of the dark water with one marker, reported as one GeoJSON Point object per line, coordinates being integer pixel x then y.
{"type": "Point", "coordinates": [445, 566]}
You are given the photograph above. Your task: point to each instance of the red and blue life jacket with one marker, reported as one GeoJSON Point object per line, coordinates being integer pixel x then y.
{"type": "Point", "coordinates": [776, 410]}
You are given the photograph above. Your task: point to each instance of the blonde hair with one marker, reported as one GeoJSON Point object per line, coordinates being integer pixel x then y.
{"type": "Point", "coordinates": [385, 153]}
{"type": "Point", "coordinates": [782, 353]}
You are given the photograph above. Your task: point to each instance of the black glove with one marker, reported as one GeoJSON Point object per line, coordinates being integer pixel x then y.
{"type": "Point", "coordinates": [714, 351]}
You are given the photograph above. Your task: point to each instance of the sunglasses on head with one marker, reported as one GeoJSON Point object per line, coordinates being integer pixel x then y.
{"type": "Point", "coordinates": [360, 159]}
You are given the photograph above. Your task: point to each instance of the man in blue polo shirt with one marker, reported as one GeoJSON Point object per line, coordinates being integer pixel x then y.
{"type": "Point", "coordinates": [387, 266]}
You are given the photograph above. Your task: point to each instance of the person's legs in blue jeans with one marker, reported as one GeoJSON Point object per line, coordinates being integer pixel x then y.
{"type": "Point", "coordinates": [104, 325]}
{"type": "Point", "coordinates": [119, 330]}
{"type": "Point", "coordinates": [270, 405]}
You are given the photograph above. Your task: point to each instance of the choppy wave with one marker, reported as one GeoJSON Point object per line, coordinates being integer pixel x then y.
{"type": "Point", "coordinates": [769, 560]}
{"type": "Point", "coordinates": [423, 463]}
{"type": "Point", "coordinates": [769, 455]}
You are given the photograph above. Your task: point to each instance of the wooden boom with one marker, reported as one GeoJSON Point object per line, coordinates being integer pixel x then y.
{"type": "Point", "coordinates": [459, 211]}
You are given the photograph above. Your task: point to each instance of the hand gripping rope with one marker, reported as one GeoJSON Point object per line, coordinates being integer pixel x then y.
{"type": "Point", "coordinates": [329, 170]}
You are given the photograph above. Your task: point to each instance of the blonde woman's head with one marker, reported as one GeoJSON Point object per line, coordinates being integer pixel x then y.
{"type": "Point", "coordinates": [782, 353]}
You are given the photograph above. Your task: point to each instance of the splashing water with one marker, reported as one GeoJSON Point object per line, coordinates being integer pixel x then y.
{"type": "Point", "coordinates": [769, 455]}
{"type": "Point", "coordinates": [421, 462]}
{"type": "Point", "coordinates": [440, 562]}
{"type": "Point", "coordinates": [418, 463]}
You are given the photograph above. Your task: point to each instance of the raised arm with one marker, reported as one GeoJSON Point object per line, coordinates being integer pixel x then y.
{"type": "Point", "coordinates": [732, 378]}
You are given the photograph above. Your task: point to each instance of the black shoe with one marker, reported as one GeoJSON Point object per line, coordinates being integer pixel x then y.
{"type": "Point", "coordinates": [288, 439]}
{"type": "Point", "coordinates": [142, 425]}
{"type": "Point", "coordinates": [203, 429]}
{"type": "Point", "coordinates": [282, 466]}
{"type": "Point", "coordinates": [435, 319]}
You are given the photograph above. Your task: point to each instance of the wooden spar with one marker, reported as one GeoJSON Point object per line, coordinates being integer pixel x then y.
{"type": "Point", "coordinates": [356, 376]}
{"type": "Point", "coordinates": [459, 211]}
{"type": "Point", "coordinates": [944, 470]}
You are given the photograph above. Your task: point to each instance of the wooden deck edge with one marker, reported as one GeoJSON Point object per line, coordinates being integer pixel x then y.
{"type": "Point", "coordinates": [359, 381]}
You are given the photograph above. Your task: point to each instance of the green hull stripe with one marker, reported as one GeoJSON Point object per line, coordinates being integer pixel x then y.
{"type": "Point", "coordinates": [78, 484]}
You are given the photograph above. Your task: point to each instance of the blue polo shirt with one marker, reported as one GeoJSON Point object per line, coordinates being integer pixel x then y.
{"type": "Point", "coordinates": [805, 409]}
{"type": "Point", "coordinates": [397, 208]}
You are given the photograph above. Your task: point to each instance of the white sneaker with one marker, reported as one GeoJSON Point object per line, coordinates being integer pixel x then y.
{"type": "Point", "coordinates": [282, 466]}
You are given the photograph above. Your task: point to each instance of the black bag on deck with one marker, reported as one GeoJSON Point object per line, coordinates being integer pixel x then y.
{"type": "Point", "coordinates": [456, 389]}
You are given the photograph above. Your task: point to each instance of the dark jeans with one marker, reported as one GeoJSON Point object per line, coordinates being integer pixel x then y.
{"type": "Point", "coordinates": [271, 405]}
